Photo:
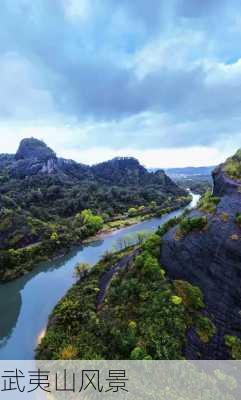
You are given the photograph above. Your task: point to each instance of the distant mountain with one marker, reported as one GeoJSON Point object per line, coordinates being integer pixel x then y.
{"type": "Point", "coordinates": [197, 179]}
{"type": "Point", "coordinates": [187, 171]}
{"type": "Point", "coordinates": [34, 158]}
{"type": "Point", "coordinates": [190, 171]}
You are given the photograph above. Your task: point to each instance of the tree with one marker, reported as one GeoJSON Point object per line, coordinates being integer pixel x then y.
{"type": "Point", "coordinates": [93, 223]}
{"type": "Point", "coordinates": [54, 237]}
{"type": "Point", "coordinates": [82, 269]}
{"type": "Point", "coordinates": [152, 245]}
{"type": "Point", "coordinates": [153, 205]}
{"type": "Point", "coordinates": [132, 211]}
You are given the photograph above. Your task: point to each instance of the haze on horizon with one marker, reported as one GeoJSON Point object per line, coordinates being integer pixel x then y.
{"type": "Point", "coordinates": [95, 79]}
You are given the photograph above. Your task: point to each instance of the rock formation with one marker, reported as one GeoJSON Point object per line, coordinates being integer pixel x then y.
{"type": "Point", "coordinates": [211, 259]}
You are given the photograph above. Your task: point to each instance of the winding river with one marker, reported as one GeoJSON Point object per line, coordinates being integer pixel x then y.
{"type": "Point", "coordinates": [26, 303]}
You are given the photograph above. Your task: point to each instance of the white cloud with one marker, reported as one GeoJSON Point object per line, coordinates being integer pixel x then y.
{"type": "Point", "coordinates": [187, 97]}
{"type": "Point", "coordinates": [219, 73]}
{"type": "Point", "coordinates": [62, 139]}
{"type": "Point", "coordinates": [21, 93]}
{"type": "Point", "coordinates": [175, 52]}
{"type": "Point", "coordinates": [77, 10]}
{"type": "Point", "coordinates": [158, 158]}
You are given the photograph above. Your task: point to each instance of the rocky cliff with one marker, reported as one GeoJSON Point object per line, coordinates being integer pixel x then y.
{"type": "Point", "coordinates": [34, 157]}
{"type": "Point", "coordinates": [210, 257]}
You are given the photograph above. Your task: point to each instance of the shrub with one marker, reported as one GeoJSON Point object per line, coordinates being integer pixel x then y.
{"type": "Point", "coordinates": [148, 264]}
{"type": "Point", "coordinates": [82, 269]}
{"type": "Point", "coordinates": [208, 203]}
{"type": "Point", "coordinates": [153, 205]}
{"type": "Point", "coordinates": [238, 219]}
{"type": "Point", "coordinates": [234, 344]}
{"type": "Point", "coordinates": [162, 230]}
{"type": "Point", "coordinates": [93, 223]}
{"type": "Point", "coordinates": [190, 224]}
{"type": "Point", "coordinates": [142, 236]}
{"type": "Point", "coordinates": [191, 295]}
{"type": "Point", "coordinates": [152, 245]}
{"type": "Point", "coordinates": [205, 328]}
{"type": "Point", "coordinates": [132, 211]}
{"type": "Point", "coordinates": [138, 353]}
{"type": "Point", "coordinates": [176, 300]}
{"type": "Point", "coordinates": [54, 237]}
{"type": "Point", "coordinates": [232, 166]}
{"type": "Point", "coordinates": [68, 353]}
{"type": "Point", "coordinates": [132, 326]}
{"type": "Point", "coordinates": [224, 217]}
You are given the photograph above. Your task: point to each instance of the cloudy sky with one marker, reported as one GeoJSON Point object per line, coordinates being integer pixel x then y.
{"type": "Point", "coordinates": [159, 80]}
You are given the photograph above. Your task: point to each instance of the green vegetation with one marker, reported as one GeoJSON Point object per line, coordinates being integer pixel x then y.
{"type": "Point", "coordinates": [53, 238]}
{"type": "Point", "coordinates": [143, 315]}
{"type": "Point", "coordinates": [208, 203]}
{"type": "Point", "coordinates": [162, 230]}
{"type": "Point", "coordinates": [191, 295]}
{"type": "Point", "coordinates": [82, 269]}
{"type": "Point", "coordinates": [132, 211]}
{"type": "Point", "coordinates": [176, 300]}
{"type": "Point", "coordinates": [234, 345]}
{"type": "Point", "coordinates": [224, 217]}
{"type": "Point", "coordinates": [205, 328]}
{"type": "Point", "coordinates": [188, 225]}
{"type": "Point", "coordinates": [135, 216]}
{"type": "Point", "coordinates": [192, 298]}
{"type": "Point", "coordinates": [232, 166]}
{"type": "Point", "coordinates": [238, 219]}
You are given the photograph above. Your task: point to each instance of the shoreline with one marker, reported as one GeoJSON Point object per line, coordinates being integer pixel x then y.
{"type": "Point", "coordinates": [127, 223]}
{"type": "Point", "coordinates": [123, 223]}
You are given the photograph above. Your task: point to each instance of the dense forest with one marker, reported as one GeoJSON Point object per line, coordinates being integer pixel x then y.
{"type": "Point", "coordinates": [47, 203]}
{"type": "Point", "coordinates": [140, 315]}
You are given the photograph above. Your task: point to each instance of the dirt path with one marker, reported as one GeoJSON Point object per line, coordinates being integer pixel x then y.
{"type": "Point", "coordinates": [107, 276]}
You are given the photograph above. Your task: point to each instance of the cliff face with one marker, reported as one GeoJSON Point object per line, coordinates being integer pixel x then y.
{"type": "Point", "coordinates": [211, 259]}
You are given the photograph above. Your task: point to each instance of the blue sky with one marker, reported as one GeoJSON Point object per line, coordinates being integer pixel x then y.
{"type": "Point", "coordinates": [159, 80]}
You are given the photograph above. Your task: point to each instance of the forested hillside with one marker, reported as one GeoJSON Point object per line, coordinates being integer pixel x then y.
{"type": "Point", "coordinates": [48, 203]}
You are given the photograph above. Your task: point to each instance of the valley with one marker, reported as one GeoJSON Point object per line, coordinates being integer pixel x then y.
{"type": "Point", "coordinates": [24, 298]}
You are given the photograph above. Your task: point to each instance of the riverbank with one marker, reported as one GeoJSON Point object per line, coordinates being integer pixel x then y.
{"type": "Point", "coordinates": [22, 261]}
{"type": "Point", "coordinates": [128, 221]}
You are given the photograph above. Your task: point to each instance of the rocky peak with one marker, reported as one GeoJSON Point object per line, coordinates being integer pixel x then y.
{"type": "Point", "coordinates": [130, 163]}
{"type": "Point", "coordinates": [34, 149]}
{"type": "Point", "coordinates": [120, 170]}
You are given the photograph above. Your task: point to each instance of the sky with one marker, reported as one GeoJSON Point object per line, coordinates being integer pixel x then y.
{"type": "Point", "coordinates": [95, 79]}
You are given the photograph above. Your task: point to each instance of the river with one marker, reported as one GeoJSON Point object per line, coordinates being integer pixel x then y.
{"type": "Point", "coordinates": [26, 303]}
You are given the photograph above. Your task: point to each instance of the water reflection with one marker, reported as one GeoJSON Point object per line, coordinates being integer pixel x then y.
{"type": "Point", "coordinates": [10, 295]}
